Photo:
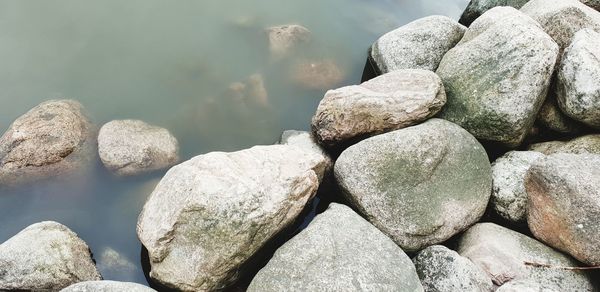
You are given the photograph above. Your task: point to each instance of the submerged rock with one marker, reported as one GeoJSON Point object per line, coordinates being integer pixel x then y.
{"type": "Point", "coordinates": [210, 214]}
{"type": "Point", "coordinates": [113, 265]}
{"type": "Point", "coordinates": [420, 44]}
{"type": "Point", "coordinates": [130, 147]}
{"type": "Point", "coordinates": [502, 254]}
{"type": "Point", "coordinates": [107, 286]}
{"type": "Point", "coordinates": [442, 269]}
{"type": "Point", "coordinates": [307, 142]}
{"type": "Point", "coordinates": [45, 256]}
{"type": "Point", "coordinates": [54, 138]}
{"type": "Point", "coordinates": [564, 203]}
{"type": "Point", "coordinates": [478, 7]}
{"type": "Point", "coordinates": [250, 92]}
{"type": "Point", "coordinates": [497, 78]}
{"type": "Point", "coordinates": [284, 38]}
{"type": "Point", "coordinates": [420, 185]}
{"type": "Point", "coordinates": [317, 74]}
{"type": "Point", "coordinates": [579, 78]}
{"type": "Point", "coordinates": [391, 101]}
{"type": "Point", "coordinates": [338, 251]}
{"type": "Point", "coordinates": [509, 198]}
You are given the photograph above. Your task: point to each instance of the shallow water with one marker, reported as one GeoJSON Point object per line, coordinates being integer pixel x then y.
{"type": "Point", "coordinates": [170, 63]}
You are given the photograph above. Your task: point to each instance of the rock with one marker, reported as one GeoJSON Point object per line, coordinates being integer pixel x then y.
{"type": "Point", "coordinates": [478, 7]}
{"type": "Point", "coordinates": [210, 214]}
{"type": "Point", "coordinates": [497, 80]}
{"type": "Point", "coordinates": [546, 147]}
{"type": "Point", "coordinates": [54, 138]}
{"type": "Point", "coordinates": [592, 3]}
{"type": "Point", "coordinates": [581, 145]}
{"type": "Point", "coordinates": [45, 256]}
{"type": "Point", "coordinates": [107, 286]}
{"type": "Point", "coordinates": [250, 92]}
{"type": "Point", "coordinates": [579, 79]}
{"type": "Point", "coordinates": [113, 265]}
{"type": "Point", "coordinates": [564, 203]}
{"type": "Point", "coordinates": [284, 38]}
{"type": "Point", "coordinates": [338, 251]}
{"type": "Point", "coordinates": [526, 286]}
{"type": "Point", "coordinates": [442, 269]}
{"type": "Point", "coordinates": [420, 185]}
{"type": "Point", "coordinates": [561, 19]}
{"type": "Point", "coordinates": [307, 142]}
{"type": "Point", "coordinates": [391, 101]}
{"type": "Point", "coordinates": [509, 198]}
{"type": "Point", "coordinates": [130, 147]}
{"type": "Point", "coordinates": [420, 44]}
{"type": "Point", "coordinates": [552, 118]}
{"type": "Point", "coordinates": [502, 254]}
{"type": "Point", "coordinates": [317, 74]}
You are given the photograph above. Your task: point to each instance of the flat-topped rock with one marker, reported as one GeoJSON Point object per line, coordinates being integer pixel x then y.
{"type": "Point", "coordinates": [107, 286]}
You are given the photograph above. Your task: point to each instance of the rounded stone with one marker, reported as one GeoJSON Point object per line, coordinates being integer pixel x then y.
{"type": "Point", "coordinates": [107, 286]}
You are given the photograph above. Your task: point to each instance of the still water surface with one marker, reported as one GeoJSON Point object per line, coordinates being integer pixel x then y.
{"type": "Point", "coordinates": [170, 63]}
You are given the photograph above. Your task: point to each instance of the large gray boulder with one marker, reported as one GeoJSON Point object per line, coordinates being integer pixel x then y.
{"type": "Point", "coordinates": [562, 19]}
{"type": "Point", "coordinates": [307, 142]}
{"type": "Point", "coordinates": [45, 256]}
{"type": "Point", "coordinates": [564, 204]}
{"type": "Point", "coordinates": [442, 269]}
{"type": "Point", "coordinates": [107, 286]}
{"type": "Point", "coordinates": [338, 251]}
{"type": "Point", "coordinates": [210, 214]}
{"type": "Point", "coordinates": [502, 254]}
{"type": "Point", "coordinates": [498, 76]}
{"type": "Point", "coordinates": [54, 138]}
{"type": "Point", "coordinates": [579, 78]}
{"type": "Point", "coordinates": [130, 147]}
{"type": "Point", "coordinates": [391, 101]}
{"type": "Point", "coordinates": [419, 185]}
{"type": "Point", "coordinates": [420, 44]}
{"type": "Point", "coordinates": [509, 198]}
{"type": "Point", "coordinates": [478, 7]}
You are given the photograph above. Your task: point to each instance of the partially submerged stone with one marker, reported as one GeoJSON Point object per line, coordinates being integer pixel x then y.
{"type": "Point", "coordinates": [338, 251]}
{"type": "Point", "coordinates": [210, 214]}
{"type": "Point", "coordinates": [107, 286]}
{"type": "Point", "coordinates": [45, 256]}
{"type": "Point", "coordinates": [419, 185]}
{"type": "Point", "coordinates": [420, 44]}
{"type": "Point", "coordinates": [130, 147]}
{"type": "Point", "coordinates": [284, 38]}
{"type": "Point", "coordinates": [391, 101]}
{"type": "Point", "coordinates": [478, 7]}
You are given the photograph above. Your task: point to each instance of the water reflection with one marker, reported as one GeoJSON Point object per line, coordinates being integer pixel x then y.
{"type": "Point", "coordinates": [202, 69]}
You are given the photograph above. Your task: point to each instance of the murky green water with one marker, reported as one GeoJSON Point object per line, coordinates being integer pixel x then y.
{"type": "Point", "coordinates": [170, 63]}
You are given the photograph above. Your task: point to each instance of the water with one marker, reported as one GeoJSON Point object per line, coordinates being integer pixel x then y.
{"type": "Point", "coordinates": [170, 63]}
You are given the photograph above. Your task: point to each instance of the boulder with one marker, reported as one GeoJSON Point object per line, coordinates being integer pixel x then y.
{"type": "Point", "coordinates": [210, 214]}
{"type": "Point", "coordinates": [502, 254]}
{"type": "Point", "coordinates": [54, 138]}
{"type": "Point", "coordinates": [45, 256]}
{"type": "Point", "coordinates": [284, 38]}
{"type": "Point", "coordinates": [307, 142]}
{"type": "Point", "coordinates": [419, 185]}
{"type": "Point", "coordinates": [391, 101]}
{"type": "Point", "coordinates": [561, 19]}
{"type": "Point", "coordinates": [249, 93]}
{"type": "Point", "coordinates": [113, 265]}
{"type": "Point", "coordinates": [552, 118]}
{"type": "Point", "coordinates": [564, 204]}
{"type": "Point", "coordinates": [107, 286]}
{"type": "Point", "coordinates": [420, 44]}
{"type": "Point", "coordinates": [546, 147]}
{"type": "Point", "coordinates": [338, 251]}
{"type": "Point", "coordinates": [579, 79]}
{"type": "Point", "coordinates": [509, 198]}
{"type": "Point", "coordinates": [581, 145]}
{"type": "Point", "coordinates": [592, 3]}
{"type": "Point", "coordinates": [130, 147]}
{"type": "Point", "coordinates": [526, 286]}
{"type": "Point", "coordinates": [478, 7]}
{"type": "Point", "coordinates": [497, 78]}
{"type": "Point", "coordinates": [442, 269]}
{"type": "Point", "coordinates": [317, 74]}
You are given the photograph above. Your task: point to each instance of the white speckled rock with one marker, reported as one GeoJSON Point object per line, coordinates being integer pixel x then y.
{"type": "Point", "coordinates": [130, 147]}
{"type": "Point", "coordinates": [502, 254]}
{"type": "Point", "coordinates": [107, 286]}
{"type": "Point", "coordinates": [562, 19]}
{"type": "Point", "coordinates": [442, 269]}
{"type": "Point", "coordinates": [338, 251]}
{"type": "Point", "coordinates": [419, 185]}
{"type": "Point", "coordinates": [420, 44]}
{"type": "Point", "coordinates": [45, 256]}
{"type": "Point", "coordinates": [478, 7]}
{"type": "Point", "coordinates": [306, 141]}
{"type": "Point", "coordinates": [509, 198]}
{"type": "Point", "coordinates": [526, 286]}
{"type": "Point", "coordinates": [54, 138]}
{"type": "Point", "coordinates": [284, 38]}
{"type": "Point", "coordinates": [564, 203]}
{"type": "Point", "coordinates": [579, 79]}
{"type": "Point", "coordinates": [210, 214]}
{"type": "Point", "coordinates": [497, 78]}
{"type": "Point", "coordinates": [391, 101]}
